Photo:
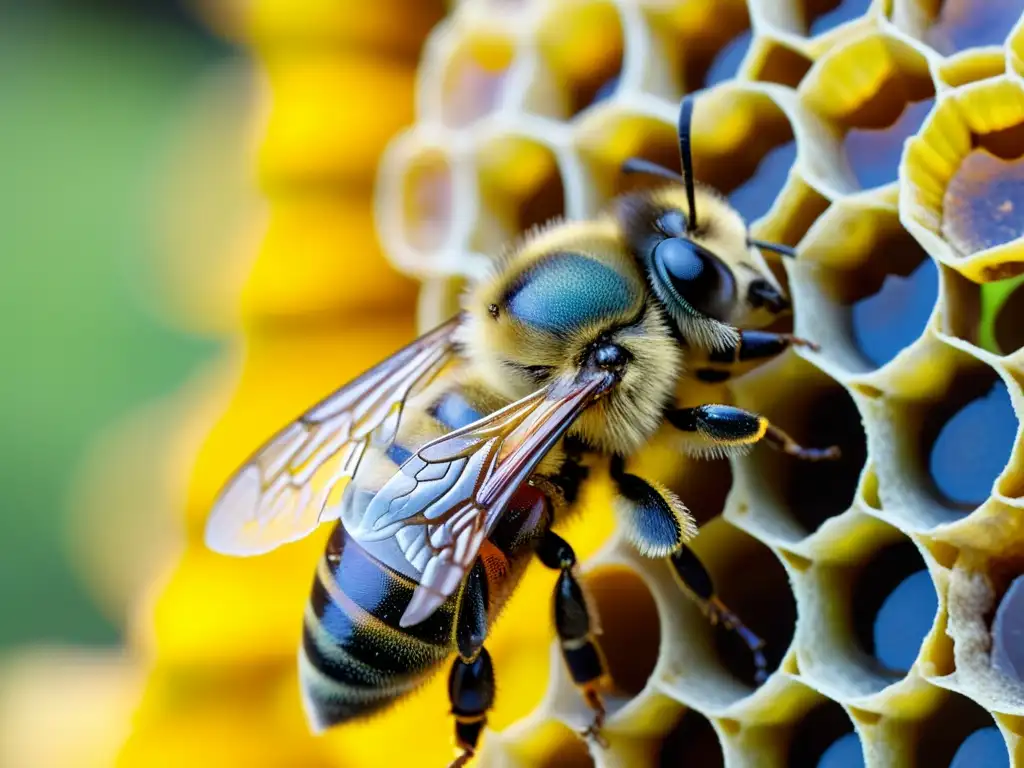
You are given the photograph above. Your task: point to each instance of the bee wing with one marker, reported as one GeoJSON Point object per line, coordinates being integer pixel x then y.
{"type": "Point", "coordinates": [447, 497]}
{"type": "Point", "coordinates": [280, 494]}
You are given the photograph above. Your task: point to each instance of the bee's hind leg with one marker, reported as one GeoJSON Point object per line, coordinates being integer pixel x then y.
{"type": "Point", "coordinates": [698, 581]}
{"type": "Point", "coordinates": [574, 627]}
{"type": "Point", "coordinates": [471, 680]}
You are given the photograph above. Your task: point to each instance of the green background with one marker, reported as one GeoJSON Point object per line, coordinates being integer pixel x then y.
{"type": "Point", "coordinates": [88, 99]}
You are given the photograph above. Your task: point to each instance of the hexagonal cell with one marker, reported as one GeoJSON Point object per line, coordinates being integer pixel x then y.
{"type": "Point", "coordinates": [788, 498]}
{"type": "Point", "coordinates": [520, 187]}
{"type": "Point", "coordinates": [751, 581]}
{"type": "Point", "coordinates": [743, 146]}
{"type": "Point", "coordinates": [923, 424]}
{"type": "Point", "coordinates": [474, 77]}
{"type": "Point", "coordinates": [825, 738]}
{"type": "Point", "coordinates": [960, 195]}
{"type": "Point", "coordinates": [960, 734]}
{"type": "Point", "coordinates": [693, 741]}
{"type": "Point", "coordinates": [866, 296]}
{"type": "Point", "coordinates": [630, 627]}
{"type": "Point", "coordinates": [867, 604]}
{"type": "Point", "coordinates": [707, 41]}
{"type": "Point", "coordinates": [582, 43]}
{"type": "Point", "coordinates": [950, 26]}
{"type": "Point", "coordinates": [877, 91]}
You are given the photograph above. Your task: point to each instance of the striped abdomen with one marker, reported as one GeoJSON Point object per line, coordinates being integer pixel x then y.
{"type": "Point", "coordinates": [355, 658]}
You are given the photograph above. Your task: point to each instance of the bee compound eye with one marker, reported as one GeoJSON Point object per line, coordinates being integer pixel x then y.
{"type": "Point", "coordinates": [696, 275]}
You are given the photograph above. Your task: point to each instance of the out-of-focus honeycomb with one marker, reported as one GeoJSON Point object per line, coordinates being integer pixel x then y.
{"type": "Point", "coordinates": [884, 139]}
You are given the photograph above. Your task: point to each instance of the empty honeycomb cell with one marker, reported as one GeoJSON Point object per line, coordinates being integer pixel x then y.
{"type": "Point", "coordinates": [958, 734]}
{"type": "Point", "coordinates": [875, 91]}
{"type": "Point", "coordinates": [629, 625]}
{"type": "Point", "coordinates": [692, 741]}
{"type": "Point", "coordinates": [923, 430]}
{"type": "Point", "coordinates": [960, 187]}
{"type": "Point", "coordinates": [427, 202]}
{"type": "Point", "coordinates": [824, 738]}
{"type": "Point", "coordinates": [473, 83]}
{"type": "Point", "coordinates": [856, 619]}
{"type": "Point", "coordinates": [752, 582]}
{"type": "Point", "coordinates": [866, 295]}
{"type": "Point", "coordinates": [1007, 301]}
{"type": "Point", "coordinates": [894, 605]}
{"type": "Point", "coordinates": [790, 498]}
{"type": "Point", "coordinates": [988, 316]}
{"type": "Point", "coordinates": [582, 44]}
{"type": "Point", "coordinates": [519, 187]}
{"type": "Point", "coordinates": [951, 26]}
{"type": "Point", "coordinates": [706, 41]}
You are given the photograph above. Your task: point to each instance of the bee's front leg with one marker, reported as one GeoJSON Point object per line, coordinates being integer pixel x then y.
{"type": "Point", "coordinates": [471, 680]}
{"type": "Point", "coordinates": [574, 627]}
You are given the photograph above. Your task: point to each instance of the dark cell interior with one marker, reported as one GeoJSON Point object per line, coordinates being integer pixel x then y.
{"type": "Point", "coordinates": [816, 491]}
{"type": "Point", "coordinates": [726, 62]}
{"type": "Point", "coordinates": [823, 15]}
{"type": "Point", "coordinates": [894, 604]}
{"type": "Point", "coordinates": [960, 734]}
{"type": "Point", "coordinates": [704, 487]}
{"type": "Point", "coordinates": [545, 203]}
{"type": "Point", "coordinates": [983, 205]}
{"type": "Point", "coordinates": [890, 319]}
{"type": "Point", "coordinates": [754, 585]}
{"type": "Point", "coordinates": [755, 196]}
{"type": "Point", "coordinates": [692, 741]}
{"type": "Point", "coordinates": [630, 627]}
{"type": "Point", "coordinates": [971, 447]}
{"type": "Point", "coordinates": [822, 738]}
{"type": "Point", "coordinates": [783, 65]}
{"type": "Point", "coordinates": [597, 85]}
{"type": "Point", "coordinates": [962, 24]}
{"type": "Point", "coordinates": [874, 153]}
{"type": "Point", "coordinates": [1009, 322]}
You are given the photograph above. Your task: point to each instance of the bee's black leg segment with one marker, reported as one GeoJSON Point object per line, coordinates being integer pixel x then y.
{"type": "Point", "coordinates": [727, 425]}
{"type": "Point", "coordinates": [471, 693]}
{"type": "Point", "coordinates": [697, 579]}
{"type": "Point", "coordinates": [759, 345]}
{"type": "Point", "coordinates": [471, 623]}
{"type": "Point", "coordinates": [653, 519]}
{"type": "Point", "coordinates": [574, 627]}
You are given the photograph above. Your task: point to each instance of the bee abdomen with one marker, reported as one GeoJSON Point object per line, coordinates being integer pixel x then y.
{"type": "Point", "coordinates": [354, 658]}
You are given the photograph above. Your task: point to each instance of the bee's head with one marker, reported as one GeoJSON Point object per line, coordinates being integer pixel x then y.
{"type": "Point", "coordinates": [698, 255]}
{"type": "Point", "coordinates": [569, 298]}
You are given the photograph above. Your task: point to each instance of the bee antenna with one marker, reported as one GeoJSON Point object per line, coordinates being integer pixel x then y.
{"type": "Point", "coordinates": [785, 250]}
{"type": "Point", "coordinates": [639, 165]}
{"type": "Point", "coordinates": [685, 119]}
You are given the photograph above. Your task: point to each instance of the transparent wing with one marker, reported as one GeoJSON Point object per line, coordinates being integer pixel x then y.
{"type": "Point", "coordinates": [447, 497]}
{"type": "Point", "coordinates": [280, 494]}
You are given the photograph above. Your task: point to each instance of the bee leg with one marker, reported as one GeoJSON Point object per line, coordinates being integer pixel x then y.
{"type": "Point", "coordinates": [653, 518]}
{"type": "Point", "coordinates": [574, 627]}
{"type": "Point", "coordinates": [471, 681]}
{"type": "Point", "coordinates": [726, 426]}
{"type": "Point", "coordinates": [697, 579]}
{"type": "Point", "coordinates": [752, 345]}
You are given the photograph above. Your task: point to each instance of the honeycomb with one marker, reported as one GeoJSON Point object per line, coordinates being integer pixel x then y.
{"type": "Point", "coordinates": [884, 140]}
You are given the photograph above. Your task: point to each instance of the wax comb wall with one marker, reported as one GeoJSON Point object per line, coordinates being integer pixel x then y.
{"type": "Point", "coordinates": [884, 140]}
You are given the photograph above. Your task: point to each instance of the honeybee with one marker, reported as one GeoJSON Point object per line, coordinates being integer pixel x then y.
{"type": "Point", "coordinates": [444, 467]}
